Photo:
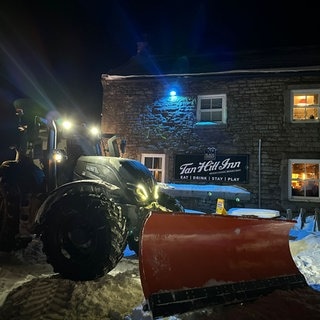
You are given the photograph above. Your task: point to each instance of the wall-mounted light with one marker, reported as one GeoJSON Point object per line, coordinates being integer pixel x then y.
{"type": "Point", "coordinates": [173, 91]}
{"type": "Point", "coordinates": [173, 95]}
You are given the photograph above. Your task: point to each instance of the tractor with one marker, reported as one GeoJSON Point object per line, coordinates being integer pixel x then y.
{"type": "Point", "coordinates": [83, 205]}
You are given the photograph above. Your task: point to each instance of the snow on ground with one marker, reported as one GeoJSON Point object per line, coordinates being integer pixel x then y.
{"type": "Point", "coordinates": [305, 249]}
{"type": "Point", "coordinates": [29, 290]}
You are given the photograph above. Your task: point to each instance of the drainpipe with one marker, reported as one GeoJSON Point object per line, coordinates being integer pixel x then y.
{"type": "Point", "coordinates": [259, 174]}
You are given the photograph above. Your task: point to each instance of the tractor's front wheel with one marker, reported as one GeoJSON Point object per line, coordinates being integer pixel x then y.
{"type": "Point", "coordinates": [83, 235]}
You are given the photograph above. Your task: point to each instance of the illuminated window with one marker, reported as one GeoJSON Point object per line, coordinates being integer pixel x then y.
{"type": "Point", "coordinates": [304, 179]}
{"type": "Point", "coordinates": [305, 105]}
{"type": "Point", "coordinates": [156, 164]}
{"type": "Point", "coordinates": [212, 108]}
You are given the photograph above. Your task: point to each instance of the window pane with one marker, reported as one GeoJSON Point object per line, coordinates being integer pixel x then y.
{"type": "Point", "coordinates": [305, 105]}
{"type": "Point", "coordinates": [312, 171]}
{"type": "Point", "coordinates": [305, 100]}
{"type": "Point", "coordinates": [297, 188]}
{"type": "Point", "coordinates": [158, 175]}
{"type": "Point", "coordinates": [211, 116]}
{"type": "Point", "coordinates": [305, 179]}
{"type": "Point", "coordinates": [312, 113]}
{"type": "Point", "coordinates": [306, 113]}
{"type": "Point", "coordinates": [216, 116]}
{"type": "Point", "coordinates": [205, 103]}
{"type": "Point", "coordinates": [205, 116]}
{"type": "Point", "coordinates": [312, 189]}
{"type": "Point", "coordinates": [217, 104]}
{"type": "Point", "coordinates": [148, 162]}
{"type": "Point", "coordinates": [212, 108]}
{"type": "Point", "coordinates": [157, 163]}
{"type": "Point", "coordinates": [299, 114]}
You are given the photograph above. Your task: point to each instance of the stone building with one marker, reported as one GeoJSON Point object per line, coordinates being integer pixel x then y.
{"type": "Point", "coordinates": [249, 119]}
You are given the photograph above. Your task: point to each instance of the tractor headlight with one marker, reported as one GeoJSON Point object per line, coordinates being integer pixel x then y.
{"type": "Point", "coordinates": [156, 192]}
{"type": "Point", "coordinates": [141, 192]}
{"type": "Point", "coordinates": [67, 125]}
{"type": "Point", "coordinates": [94, 132]}
{"type": "Point", "coordinates": [59, 155]}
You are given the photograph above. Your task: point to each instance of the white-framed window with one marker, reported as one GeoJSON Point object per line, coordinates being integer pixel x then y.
{"type": "Point", "coordinates": [212, 108]}
{"type": "Point", "coordinates": [305, 105]}
{"type": "Point", "coordinates": [304, 179]}
{"type": "Point", "coordinates": [156, 164]}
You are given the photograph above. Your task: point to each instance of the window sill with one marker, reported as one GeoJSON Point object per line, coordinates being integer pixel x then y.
{"type": "Point", "coordinates": [306, 121]}
{"type": "Point", "coordinates": [305, 199]}
{"type": "Point", "coordinates": [209, 124]}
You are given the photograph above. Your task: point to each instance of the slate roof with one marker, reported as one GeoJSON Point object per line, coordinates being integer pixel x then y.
{"type": "Point", "coordinates": [286, 57]}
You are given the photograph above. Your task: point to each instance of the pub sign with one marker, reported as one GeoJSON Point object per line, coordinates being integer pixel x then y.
{"type": "Point", "coordinates": [222, 168]}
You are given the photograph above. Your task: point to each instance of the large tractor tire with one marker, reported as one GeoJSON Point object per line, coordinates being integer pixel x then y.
{"type": "Point", "coordinates": [9, 217]}
{"type": "Point", "coordinates": [83, 235]}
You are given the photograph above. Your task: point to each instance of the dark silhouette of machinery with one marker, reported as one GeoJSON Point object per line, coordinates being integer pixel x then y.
{"type": "Point", "coordinates": [84, 206]}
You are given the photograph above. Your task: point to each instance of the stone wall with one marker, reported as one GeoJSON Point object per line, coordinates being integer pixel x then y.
{"type": "Point", "coordinates": [258, 118]}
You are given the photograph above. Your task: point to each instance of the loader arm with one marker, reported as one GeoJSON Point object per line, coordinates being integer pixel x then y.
{"type": "Point", "coordinates": [188, 261]}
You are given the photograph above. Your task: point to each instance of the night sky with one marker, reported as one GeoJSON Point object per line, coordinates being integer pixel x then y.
{"type": "Point", "coordinates": [54, 51]}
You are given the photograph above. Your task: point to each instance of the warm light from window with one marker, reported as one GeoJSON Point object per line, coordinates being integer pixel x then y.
{"type": "Point", "coordinates": [303, 101]}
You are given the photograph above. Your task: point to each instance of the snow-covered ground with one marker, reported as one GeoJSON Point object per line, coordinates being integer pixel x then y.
{"type": "Point", "coordinates": [29, 290]}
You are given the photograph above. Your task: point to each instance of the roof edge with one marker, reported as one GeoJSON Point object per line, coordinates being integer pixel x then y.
{"type": "Point", "coordinates": [240, 71]}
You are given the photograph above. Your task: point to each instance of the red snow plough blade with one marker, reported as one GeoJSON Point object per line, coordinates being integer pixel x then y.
{"type": "Point", "coordinates": [189, 261]}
